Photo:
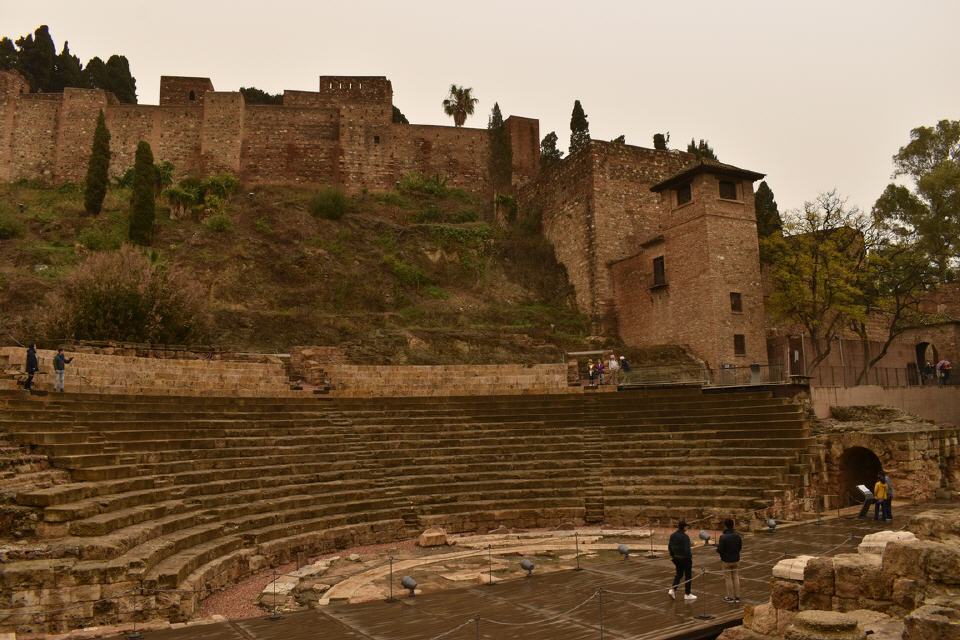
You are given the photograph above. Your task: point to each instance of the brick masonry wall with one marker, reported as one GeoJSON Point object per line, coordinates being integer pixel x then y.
{"type": "Point", "coordinates": [79, 107]}
{"type": "Point", "coordinates": [33, 143]}
{"type": "Point", "coordinates": [175, 90]}
{"type": "Point", "coordinates": [11, 88]}
{"type": "Point", "coordinates": [297, 142]}
{"type": "Point", "coordinates": [222, 134]}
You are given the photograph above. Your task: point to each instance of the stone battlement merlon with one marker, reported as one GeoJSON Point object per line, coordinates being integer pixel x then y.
{"type": "Point", "coordinates": [363, 88]}
{"type": "Point", "coordinates": [183, 90]}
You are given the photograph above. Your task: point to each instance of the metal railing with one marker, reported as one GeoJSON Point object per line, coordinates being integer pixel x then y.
{"type": "Point", "coordinates": [665, 375]}
{"type": "Point", "coordinates": [755, 374]}
{"type": "Point", "coordinates": [835, 376]}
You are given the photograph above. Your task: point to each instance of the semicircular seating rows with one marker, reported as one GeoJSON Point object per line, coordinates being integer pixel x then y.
{"type": "Point", "coordinates": [173, 497]}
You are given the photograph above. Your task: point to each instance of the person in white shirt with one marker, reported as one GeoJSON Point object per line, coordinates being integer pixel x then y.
{"type": "Point", "coordinates": [613, 369]}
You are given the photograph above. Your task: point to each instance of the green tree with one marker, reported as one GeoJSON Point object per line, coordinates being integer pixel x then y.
{"type": "Point", "coordinates": [579, 128]}
{"type": "Point", "coordinates": [459, 104]}
{"type": "Point", "coordinates": [8, 54]}
{"type": "Point", "coordinates": [661, 140]}
{"type": "Point", "coordinates": [143, 204]}
{"type": "Point", "coordinates": [817, 268]}
{"type": "Point", "coordinates": [398, 117]}
{"type": "Point", "coordinates": [252, 95]}
{"type": "Point", "coordinates": [701, 149]}
{"type": "Point", "coordinates": [67, 71]}
{"type": "Point", "coordinates": [929, 213]}
{"type": "Point", "coordinates": [121, 81]}
{"type": "Point", "coordinates": [549, 154]}
{"type": "Point", "coordinates": [768, 215]}
{"type": "Point", "coordinates": [620, 139]}
{"type": "Point", "coordinates": [501, 153]}
{"type": "Point", "coordinates": [36, 59]}
{"type": "Point", "coordinates": [95, 74]}
{"type": "Point", "coordinates": [98, 167]}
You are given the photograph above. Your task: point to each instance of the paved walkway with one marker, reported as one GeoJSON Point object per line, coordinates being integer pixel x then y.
{"type": "Point", "coordinates": [628, 596]}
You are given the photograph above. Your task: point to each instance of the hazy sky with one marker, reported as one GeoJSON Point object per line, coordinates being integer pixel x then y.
{"type": "Point", "coordinates": [817, 94]}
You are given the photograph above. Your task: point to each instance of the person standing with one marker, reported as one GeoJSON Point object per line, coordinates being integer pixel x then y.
{"type": "Point", "coordinates": [729, 547]}
{"type": "Point", "coordinates": [943, 371]}
{"type": "Point", "coordinates": [33, 365]}
{"type": "Point", "coordinates": [888, 504]}
{"type": "Point", "coordinates": [682, 555]}
{"type": "Point", "coordinates": [600, 370]}
{"type": "Point", "coordinates": [613, 369]}
{"type": "Point", "coordinates": [880, 494]}
{"type": "Point", "coordinates": [59, 369]}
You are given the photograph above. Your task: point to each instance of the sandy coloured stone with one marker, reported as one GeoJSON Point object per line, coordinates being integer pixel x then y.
{"type": "Point", "coordinates": [877, 542]}
{"type": "Point", "coordinates": [433, 537]}
{"type": "Point", "coordinates": [819, 577]}
{"type": "Point", "coordinates": [785, 595]}
{"type": "Point", "coordinates": [932, 622]}
{"type": "Point", "coordinates": [824, 625]}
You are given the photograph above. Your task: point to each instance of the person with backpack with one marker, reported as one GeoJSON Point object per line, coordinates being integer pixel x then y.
{"type": "Point", "coordinates": [880, 494]}
{"type": "Point", "coordinates": [59, 369]}
{"type": "Point", "coordinates": [681, 553]}
{"type": "Point", "coordinates": [33, 365]}
{"type": "Point", "coordinates": [729, 546]}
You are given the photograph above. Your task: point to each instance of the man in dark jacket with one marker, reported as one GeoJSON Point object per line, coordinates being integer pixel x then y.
{"type": "Point", "coordinates": [729, 547]}
{"type": "Point", "coordinates": [33, 365]}
{"type": "Point", "coordinates": [682, 555]}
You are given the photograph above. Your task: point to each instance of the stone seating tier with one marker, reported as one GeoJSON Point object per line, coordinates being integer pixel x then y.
{"type": "Point", "coordinates": [194, 493]}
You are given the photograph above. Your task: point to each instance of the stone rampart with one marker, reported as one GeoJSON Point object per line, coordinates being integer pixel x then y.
{"type": "Point", "coordinates": [342, 134]}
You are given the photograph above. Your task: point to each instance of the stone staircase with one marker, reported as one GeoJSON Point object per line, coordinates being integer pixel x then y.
{"type": "Point", "coordinates": [179, 496]}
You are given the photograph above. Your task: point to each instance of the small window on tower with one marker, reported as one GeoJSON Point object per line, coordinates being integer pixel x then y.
{"type": "Point", "coordinates": [684, 194]}
{"type": "Point", "coordinates": [739, 344]}
{"type": "Point", "coordinates": [728, 190]}
{"type": "Point", "coordinates": [659, 272]}
{"type": "Point", "coordinates": [376, 139]}
{"type": "Point", "coordinates": [736, 302]}
{"type": "Point", "coordinates": [193, 96]}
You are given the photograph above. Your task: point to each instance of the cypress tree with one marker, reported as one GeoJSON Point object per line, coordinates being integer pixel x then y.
{"type": "Point", "coordinates": [66, 70]}
{"type": "Point", "coordinates": [579, 128]}
{"type": "Point", "coordinates": [8, 54]}
{"type": "Point", "coordinates": [142, 203]}
{"type": "Point", "coordinates": [37, 58]}
{"type": "Point", "coordinates": [702, 150]}
{"type": "Point", "coordinates": [549, 154]}
{"type": "Point", "coordinates": [768, 215]}
{"type": "Point", "coordinates": [95, 187]}
{"type": "Point", "coordinates": [501, 154]}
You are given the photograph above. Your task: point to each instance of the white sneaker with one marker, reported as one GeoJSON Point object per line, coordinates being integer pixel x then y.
{"type": "Point", "coordinates": [689, 596]}
{"type": "Point", "coordinates": [671, 593]}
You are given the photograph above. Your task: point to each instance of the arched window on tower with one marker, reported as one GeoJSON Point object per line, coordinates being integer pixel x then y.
{"type": "Point", "coordinates": [193, 96]}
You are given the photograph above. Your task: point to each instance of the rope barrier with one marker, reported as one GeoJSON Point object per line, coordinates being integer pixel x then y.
{"type": "Point", "coordinates": [533, 622]}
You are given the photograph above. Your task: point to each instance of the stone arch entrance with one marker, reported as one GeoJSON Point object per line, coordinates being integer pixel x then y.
{"type": "Point", "coordinates": [858, 465]}
{"type": "Point", "coordinates": [926, 352]}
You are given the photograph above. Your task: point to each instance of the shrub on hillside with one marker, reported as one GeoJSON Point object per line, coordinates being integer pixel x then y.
{"type": "Point", "coordinates": [10, 227]}
{"type": "Point", "coordinates": [329, 204]}
{"type": "Point", "coordinates": [123, 295]}
{"type": "Point", "coordinates": [218, 223]}
{"type": "Point", "coordinates": [416, 182]}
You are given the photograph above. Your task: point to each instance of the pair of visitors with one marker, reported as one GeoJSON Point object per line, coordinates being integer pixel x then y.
{"type": "Point", "coordinates": [681, 553]}
{"type": "Point", "coordinates": [944, 367]}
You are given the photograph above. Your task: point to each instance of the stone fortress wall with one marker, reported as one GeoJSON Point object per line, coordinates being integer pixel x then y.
{"type": "Point", "coordinates": [341, 134]}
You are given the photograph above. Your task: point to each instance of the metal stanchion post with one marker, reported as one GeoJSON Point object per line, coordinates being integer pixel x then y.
{"type": "Point", "coordinates": [134, 634]}
{"type": "Point", "coordinates": [576, 543]}
{"type": "Point", "coordinates": [391, 598]}
{"type": "Point", "coordinates": [275, 615]}
{"type": "Point", "coordinates": [490, 564]}
{"type": "Point", "coordinates": [477, 619]}
{"type": "Point", "coordinates": [600, 600]}
{"type": "Point", "coordinates": [651, 554]}
{"type": "Point", "coordinates": [703, 605]}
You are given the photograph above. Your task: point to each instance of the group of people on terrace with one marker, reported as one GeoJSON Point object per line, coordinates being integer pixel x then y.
{"type": "Point", "coordinates": [607, 369]}
{"type": "Point", "coordinates": [939, 373]}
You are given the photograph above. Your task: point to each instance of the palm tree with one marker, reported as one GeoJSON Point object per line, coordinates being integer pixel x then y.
{"type": "Point", "coordinates": [459, 104]}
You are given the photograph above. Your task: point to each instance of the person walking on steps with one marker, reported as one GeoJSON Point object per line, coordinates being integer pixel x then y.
{"type": "Point", "coordinates": [33, 365]}
{"type": "Point", "coordinates": [59, 364]}
{"type": "Point", "coordinates": [729, 546]}
{"type": "Point", "coordinates": [682, 555]}
{"type": "Point", "coordinates": [880, 494]}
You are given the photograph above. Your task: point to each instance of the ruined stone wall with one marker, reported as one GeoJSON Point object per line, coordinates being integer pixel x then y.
{"type": "Point", "coordinates": [33, 145]}
{"type": "Point", "coordinates": [80, 108]}
{"type": "Point", "coordinates": [297, 142]}
{"type": "Point", "coordinates": [341, 134]}
{"type": "Point", "coordinates": [12, 86]}
{"type": "Point", "coordinates": [183, 90]}
{"type": "Point", "coordinates": [562, 196]}
{"type": "Point", "coordinates": [525, 147]}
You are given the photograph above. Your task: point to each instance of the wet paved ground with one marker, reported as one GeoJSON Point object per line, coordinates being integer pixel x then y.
{"type": "Point", "coordinates": [609, 598]}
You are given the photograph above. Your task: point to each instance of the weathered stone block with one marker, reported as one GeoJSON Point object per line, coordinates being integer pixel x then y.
{"type": "Point", "coordinates": [907, 559]}
{"type": "Point", "coordinates": [932, 622]}
{"type": "Point", "coordinates": [907, 593]}
{"type": "Point", "coordinates": [876, 542]}
{"type": "Point", "coordinates": [943, 563]}
{"type": "Point", "coordinates": [760, 618]}
{"type": "Point", "coordinates": [823, 625]}
{"type": "Point", "coordinates": [785, 595]}
{"type": "Point", "coordinates": [819, 577]}
{"type": "Point", "coordinates": [859, 575]}
{"type": "Point", "coordinates": [811, 600]}
{"type": "Point", "coordinates": [433, 537]}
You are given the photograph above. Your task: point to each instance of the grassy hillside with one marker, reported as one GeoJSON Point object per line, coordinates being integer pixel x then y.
{"type": "Point", "coordinates": [413, 275]}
